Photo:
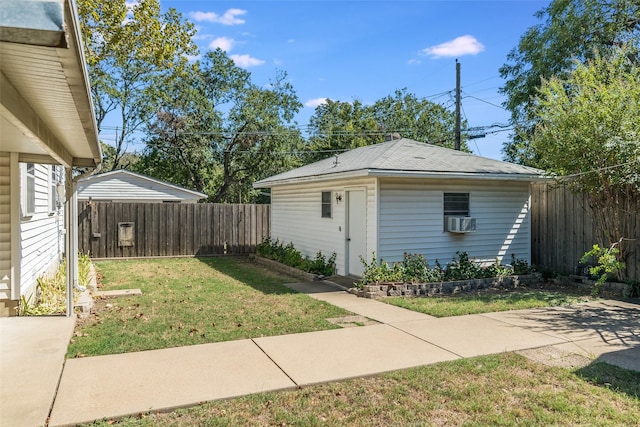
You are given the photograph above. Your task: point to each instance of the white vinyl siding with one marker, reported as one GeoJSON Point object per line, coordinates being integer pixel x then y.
{"type": "Point", "coordinates": [40, 234]}
{"type": "Point", "coordinates": [411, 213]}
{"type": "Point", "coordinates": [294, 217]}
{"type": "Point", "coordinates": [131, 188]}
{"type": "Point", "coordinates": [5, 226]}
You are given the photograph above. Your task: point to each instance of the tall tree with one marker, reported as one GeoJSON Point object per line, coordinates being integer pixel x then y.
{"type": "Point", "coordinates": [131, 48]}
{"type": "Point", "coordinates": [339, 125]}
{"type": "Point", "coordinates": [572, 32]}
{"type": "Point", "coordinates": [588, 134]}
{"type": "Point", "coordinates": [218, 132]}
{"type": "Point", "coordinates": [416, 118]}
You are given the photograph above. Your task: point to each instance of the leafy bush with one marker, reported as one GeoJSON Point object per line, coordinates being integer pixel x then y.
{"type": "Point", "coordinates": [289, 255]}
{"type": "Point", "coordinates": [51, 290]}
{"type": "Point", "coordinates": [633, 289]}
{"type": "Point", "coordinates": [606, 265]}
{"type": "Point", "coordinates": [414, 268]}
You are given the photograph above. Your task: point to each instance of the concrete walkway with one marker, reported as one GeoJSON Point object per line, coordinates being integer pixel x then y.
{"type": "Point", "coordinates": [117, 385]}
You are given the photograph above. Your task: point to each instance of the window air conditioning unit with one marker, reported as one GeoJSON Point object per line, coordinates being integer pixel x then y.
{"type": "Point", "coordinates": [461, 224]}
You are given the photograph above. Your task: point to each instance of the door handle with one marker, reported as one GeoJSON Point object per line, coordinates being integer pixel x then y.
{"type": "Point", "coordinates": [348, 239]}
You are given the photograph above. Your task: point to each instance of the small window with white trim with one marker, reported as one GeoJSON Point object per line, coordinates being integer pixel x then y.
{"type": "Point", "coordinates": [326, 204]}
{"type": "Point", "coordinates": [28, 190]}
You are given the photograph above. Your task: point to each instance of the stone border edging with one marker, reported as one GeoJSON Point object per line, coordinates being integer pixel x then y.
{"type": "Point", "coordinates": [443, 288]}
{"type": "Point", "coordinates": [285, 269]}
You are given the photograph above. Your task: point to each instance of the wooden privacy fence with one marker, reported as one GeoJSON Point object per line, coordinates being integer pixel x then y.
{"type": "Point", "coordinates": [114, 230]}
{"type": "Point", "coordinates": [562, 229]}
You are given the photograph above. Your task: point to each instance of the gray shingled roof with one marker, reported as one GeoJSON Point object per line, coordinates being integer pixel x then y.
{"type": "Point", "coordinates": [404, 157]}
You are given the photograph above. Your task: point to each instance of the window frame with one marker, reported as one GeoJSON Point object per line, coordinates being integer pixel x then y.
{"type": "Point", "coordinates": [54, 179]}
{"type": "Point", "coordinates": [28, 190]}
{"type": "Point", "coordinates": [464, 198]}
{"type": "Point", "coordinates": [325, 205]}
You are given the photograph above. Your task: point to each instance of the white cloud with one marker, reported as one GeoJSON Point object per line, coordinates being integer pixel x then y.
{"type": "Point", "coordinates": [414, 62]}
{"type": "Point", "coordinates": [315, 102]}
{"type": "Point", "coordinates": [246, 61]}
{"type": "Point", "coordinates": [460, 46]}
{"type": "Point", "coordinates": [193, 58]}
{"type": "Point", "coordinates": [223, 43]}
{"type": "Point", "coordinates": [230, 17]}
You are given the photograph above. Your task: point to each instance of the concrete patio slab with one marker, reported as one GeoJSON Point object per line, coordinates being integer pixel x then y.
{"type": "Point", "coordinates": [607, 320]}
{"type": "Point", "coordinates": [124, 384]}
{"type": "Point", "coordinates": [316, 357]}
{"type": "Point", "coordinates": [475, 335]}
{"type": "Point", "coordinates": [32, 351]}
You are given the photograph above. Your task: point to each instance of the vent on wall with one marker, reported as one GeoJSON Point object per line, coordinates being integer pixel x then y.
{"type": "Point", "coordinates": [126, 233]}
{"type": "Point", "coordinates": [457, 224]}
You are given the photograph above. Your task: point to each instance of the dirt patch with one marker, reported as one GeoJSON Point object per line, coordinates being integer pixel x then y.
{"type": "Point", "coordinates": [553, 356]}
{"type": "Point", "coordinates": [351, 321]}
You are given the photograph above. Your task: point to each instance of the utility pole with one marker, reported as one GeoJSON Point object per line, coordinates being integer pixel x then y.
{"type": "Point", "coordinates": [457, 130]}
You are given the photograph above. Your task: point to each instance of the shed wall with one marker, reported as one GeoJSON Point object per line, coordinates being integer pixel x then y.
{"type": "Point", "coordinates": [296, 217]}
{"type": "Point", "coordinates": [412, 220]}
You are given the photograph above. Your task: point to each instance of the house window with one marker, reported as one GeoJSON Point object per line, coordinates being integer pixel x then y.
{"type": "Point", "coordinates": [326, 204]}
{"type": "Point", "coordinates": [455, 204]}
{"type": "Point", "coordinates": [28, 202]}
{"type": "Point", "coordinates": [54, 178]}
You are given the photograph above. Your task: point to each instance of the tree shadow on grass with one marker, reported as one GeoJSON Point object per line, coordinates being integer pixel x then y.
{"type": "Point", "coordinates": [613, 377]}
{"type": "Point", "coordinates": [241, 269]}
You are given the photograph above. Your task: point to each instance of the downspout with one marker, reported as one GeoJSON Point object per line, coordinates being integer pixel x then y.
{"type": "Point", "coordinates": [71, 232]}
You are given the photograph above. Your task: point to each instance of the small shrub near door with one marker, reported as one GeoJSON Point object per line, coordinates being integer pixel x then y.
{"type": "Point", "coordinates": [289, 255]}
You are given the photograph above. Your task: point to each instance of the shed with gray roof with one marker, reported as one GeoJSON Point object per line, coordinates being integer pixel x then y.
{"type": "Point", "coordinates": [126, 186]}
{"type": "Point", "coordinates": [404, 196]}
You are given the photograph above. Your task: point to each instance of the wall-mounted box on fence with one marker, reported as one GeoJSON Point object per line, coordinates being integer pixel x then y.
{"type": "Point", "coordinates": [126, 233]}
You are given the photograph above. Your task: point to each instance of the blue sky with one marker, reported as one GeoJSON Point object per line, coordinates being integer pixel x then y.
{"type": "Point", "coordinates": [365, 50]}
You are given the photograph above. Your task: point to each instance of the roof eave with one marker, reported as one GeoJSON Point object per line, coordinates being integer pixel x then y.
{"type": "Point", "coordinates": [383, 173]}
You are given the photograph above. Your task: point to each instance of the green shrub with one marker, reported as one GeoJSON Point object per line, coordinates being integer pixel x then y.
{"type": "Point", "coordinates": [414, 268]}
{"type": "Point", "coordinates": [51, 290]}
{"type": "Point", "coordinates": [606, 266]}
{"type": "Point", "coordinates": [289, 255]}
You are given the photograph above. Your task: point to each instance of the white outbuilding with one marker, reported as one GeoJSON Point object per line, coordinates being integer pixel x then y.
{"type": "Point", "coordinates": [126, 186]}
{"type": "Point", "coordinates": [404, 196]}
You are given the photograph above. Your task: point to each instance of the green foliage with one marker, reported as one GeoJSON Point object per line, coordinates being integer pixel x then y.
{"type": "Point", "coordinates": [342, 125]}
{"type": "Point", "coordinates": [289, 255]}
{"type": "Point", "coordinates": [414, 268]}
{"type": "Point", "coordinates": [376, 273]}
{"type": "Point", "coordinates": [51, 290]}
{"type": "Point", "coordinates": [131, 49]}
{"type": "Point", "coordinates": [569, 30]}
{"type": "Point", "coordinates": [633, 289]}
{"type": "Point", "coordinates": [217, 132]}
{"type": "Point", "coordinates": [606, 265]}
{"type": "Point", "coordinates": [589, 131]}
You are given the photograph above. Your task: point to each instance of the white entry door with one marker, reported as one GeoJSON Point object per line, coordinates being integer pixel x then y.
{"type": "Point", "coordinates": [356, 231]}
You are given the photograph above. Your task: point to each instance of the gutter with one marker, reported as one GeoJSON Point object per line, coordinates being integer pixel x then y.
{"type": "Point", "coordinates": [401, 174]}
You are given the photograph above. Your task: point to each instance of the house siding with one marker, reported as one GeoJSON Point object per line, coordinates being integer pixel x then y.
{"type": "Point", "coordinates": [412, 220]}
{"type": "Point", "coordinates": [129, 188]}
{"type": "Point", "coordinates": [41, 235]}
{"type": "Point", "coordinates": [5, 226]}
{"type": "Point", "coordinates": [296, 217]}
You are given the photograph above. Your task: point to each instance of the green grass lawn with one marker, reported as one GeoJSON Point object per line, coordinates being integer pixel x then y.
{"type": "Point", "coordinates": [498, 390]}
{"type": "Point", "coordinates": [189, 301]}
{"type": "Point", "coordinates": [487, 301]}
